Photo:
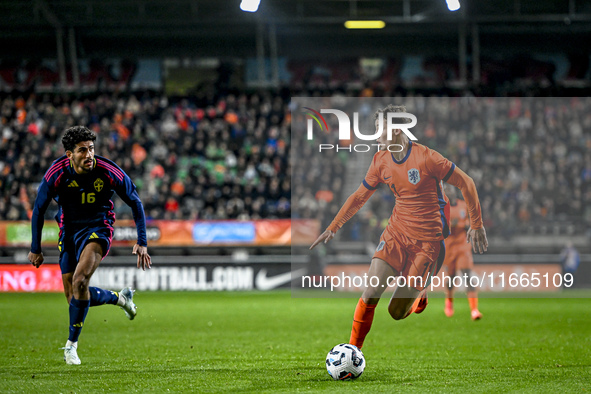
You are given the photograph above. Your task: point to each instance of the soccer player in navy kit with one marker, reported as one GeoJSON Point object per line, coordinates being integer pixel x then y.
{"type": "Point", "coordinates": [82, 184]}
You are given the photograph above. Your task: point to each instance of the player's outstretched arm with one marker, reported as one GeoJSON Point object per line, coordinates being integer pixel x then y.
{"type": "Point", "coordinates": [465, 183]}
{"type": "Point", "coordinates": [42, 201]}
{"type": "Point", "coordinates": [476, 233]}
{"type": "Point", "coordinates": [143, 258]}
{"type": "Point", "coordinates": [478, 240]}
{"type": "Point", "coordinates": [349, 208]}
{"type": "Point", "coordinates": [325, 236]}
{"type": "Point", "coordinates": [128, 193]}
{"type": "Point", "coordinates": [36, 259]}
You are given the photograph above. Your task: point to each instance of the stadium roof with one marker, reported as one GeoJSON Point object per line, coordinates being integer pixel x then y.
{"type": "Point", "coordinates": [220, 28]}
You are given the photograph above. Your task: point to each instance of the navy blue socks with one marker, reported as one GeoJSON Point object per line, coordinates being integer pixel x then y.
{"type": "Point", "coordinates": [102, 297]}
{"type": "Point", "coordinates": [78, 311]}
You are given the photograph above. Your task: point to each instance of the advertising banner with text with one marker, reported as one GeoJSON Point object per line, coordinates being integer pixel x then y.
{"type": "Point", "coordinates": [171, 277]}
{"type": "Point", "coordinates": [184, 233]}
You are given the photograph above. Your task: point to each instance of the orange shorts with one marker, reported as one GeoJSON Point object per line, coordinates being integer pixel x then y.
{"type": "Point", "coordinates": [411, 257]}
{"type": "Point", "coordinates": [458, 257]}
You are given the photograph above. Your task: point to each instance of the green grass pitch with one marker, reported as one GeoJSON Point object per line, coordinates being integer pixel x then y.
{"type": "Point", "coordinates": [270, 342]}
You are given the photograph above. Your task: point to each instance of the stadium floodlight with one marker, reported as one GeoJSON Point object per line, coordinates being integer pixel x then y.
{"type": "Point", "coordinates": [365, 24]}
{"type": "Point", "coordinates": [250, 5]}
{"type": "Point", "coordinates": [453, 5]}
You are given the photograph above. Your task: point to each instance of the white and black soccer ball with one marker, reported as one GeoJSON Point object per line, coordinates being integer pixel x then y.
{"type": "Point", "coordinates": [345, 362]}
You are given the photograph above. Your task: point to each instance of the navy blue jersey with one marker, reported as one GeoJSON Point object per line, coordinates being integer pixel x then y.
{"type": "Point", "coordinates": [85, 199]}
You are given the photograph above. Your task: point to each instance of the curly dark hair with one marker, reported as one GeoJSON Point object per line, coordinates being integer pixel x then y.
{"type": "Point", "coordinates": [75, 135]}
{"type": "Point", "coordinates": [391, 108]}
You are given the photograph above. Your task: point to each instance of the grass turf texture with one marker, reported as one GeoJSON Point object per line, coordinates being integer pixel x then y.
{"type": "Point", "coordinates": [256, 342]}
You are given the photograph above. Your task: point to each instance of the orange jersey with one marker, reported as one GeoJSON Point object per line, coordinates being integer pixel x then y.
{"type": "Point", "coordinates": [422, 209]}
{"type": "Point", "coordinates": [459, 221]}
{"type": "Point", "coordinates": [416, 183]}
{"type": "Point", "coordinates": [458, 255]}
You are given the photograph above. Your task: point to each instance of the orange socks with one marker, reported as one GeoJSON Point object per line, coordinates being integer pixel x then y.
{"type": "Point", "coordinates": [361, 322]}
{"type": "Point", "coordinates": [472, 300]}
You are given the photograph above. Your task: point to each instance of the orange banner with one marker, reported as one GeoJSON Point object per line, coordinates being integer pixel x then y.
{"type": "Point", "coordinates": [281, 232]}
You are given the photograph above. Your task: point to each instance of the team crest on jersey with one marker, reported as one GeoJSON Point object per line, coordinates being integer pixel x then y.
{"type": "Point", "coordinates": [380, 246]}
{"type": "Point", "coordinates": [98, 184]}
{"type": "Point", "coordinates": [413, 176]}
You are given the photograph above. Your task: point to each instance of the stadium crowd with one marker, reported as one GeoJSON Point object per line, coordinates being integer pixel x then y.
{"type": "Point", "coordinates": [211, 158]}
{"type": "Point", "coordinates": [227, 157]}
{"type": "Point", "coordinates": [529, 157]}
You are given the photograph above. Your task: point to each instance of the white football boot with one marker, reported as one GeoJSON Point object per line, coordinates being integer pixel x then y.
{"type": "Point", "coordinates": [126, 302]}
{"type": "Point", "coordinates": [71, 356]}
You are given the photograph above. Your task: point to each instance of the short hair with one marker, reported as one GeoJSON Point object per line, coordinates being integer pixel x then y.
{"type": "Point", "coordinates": [389, 109]}
{"type": "Point", "coordinates": [75, 135]}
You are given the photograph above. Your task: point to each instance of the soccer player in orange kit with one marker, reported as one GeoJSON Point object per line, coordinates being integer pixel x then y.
{"type": "Point", "coordinates": [458, 254]}
{"type": "Point", "coordinates": [412, 243]}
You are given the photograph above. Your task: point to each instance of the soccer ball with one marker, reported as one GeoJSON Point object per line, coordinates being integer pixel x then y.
{"type": "Point", "coordinates": [345, 362]}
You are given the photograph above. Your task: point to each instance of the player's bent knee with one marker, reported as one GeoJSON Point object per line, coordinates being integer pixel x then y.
{"type": "Point", "coordinates": [397, 314]}
{"type": "Point", "coordinates": [398, 310]}
{"type": "Point", "coordinates": [80, 283]}
{"type": "Point", "coordinates": [370, 301]}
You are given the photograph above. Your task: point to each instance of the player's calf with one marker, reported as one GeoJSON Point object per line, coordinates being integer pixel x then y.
{"type": "Point", "coordinates": [400, 310]}
{"type": "Point", "coordinates": [100, 296]}
{"type": "Point", "coordinates": [362, 321]}
{"type": "Point", "coordinates": [449, 307]}
{"type": "Point", "coordinates": [405, 301]}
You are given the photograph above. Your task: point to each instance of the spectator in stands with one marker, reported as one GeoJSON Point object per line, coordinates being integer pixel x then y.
{"type": "Point", "coordinates": [167, 147]}
{"type": "Point", "coordinates": [570, 260]}
{"type": "Point", "coordinates": [231, 155]}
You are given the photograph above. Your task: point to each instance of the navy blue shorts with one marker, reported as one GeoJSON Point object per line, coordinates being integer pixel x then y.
{"type": "Point", "coordinates": [73, 241]}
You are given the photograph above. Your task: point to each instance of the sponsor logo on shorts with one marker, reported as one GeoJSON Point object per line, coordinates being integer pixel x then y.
{"type": "Point", "coordinates": [380, 246]}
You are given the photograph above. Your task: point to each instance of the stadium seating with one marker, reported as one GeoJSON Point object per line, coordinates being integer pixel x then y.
{"type": "Point", "coordinates": [225, 154]}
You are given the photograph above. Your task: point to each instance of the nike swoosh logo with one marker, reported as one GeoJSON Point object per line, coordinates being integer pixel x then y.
{"type": "Point", "coordinates": [387, 178]}
{"type": "Point", "coordinates": [263, 282]}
